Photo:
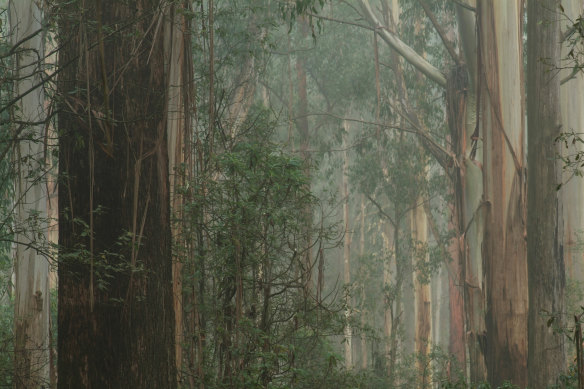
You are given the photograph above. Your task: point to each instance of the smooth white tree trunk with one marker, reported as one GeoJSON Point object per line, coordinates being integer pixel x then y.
{"type": "Point", "coordinates": [502, 130]}
{"type": "Point", "coordinates": [422, 289]}
{"type": "Point", "coordinates": [387, 234]}
{"type": "Point", "coordinates": [471, 206]}
{"type": "Point", "coordinates": [364, 310]}
{"type": "Point", "coordinates": [572, 113]}
{"type": "Point", "coordinates": [32, 298]}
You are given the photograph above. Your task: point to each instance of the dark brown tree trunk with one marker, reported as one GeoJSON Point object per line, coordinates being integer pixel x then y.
{"type": "Point", "coordinates": [544, 225]}
{"type": "Point", "coordinates": [116, 319]}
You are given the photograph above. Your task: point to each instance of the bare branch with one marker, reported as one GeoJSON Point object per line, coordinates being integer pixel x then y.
{"type": "Point", "coordinates": [342, 22]}
{"type": "Point", "coordinates": [440, 243]}
{"type": "Point", "coordinates": [449, 46]}
{"type": "Point", "coordinates": [404, 50]}
{"type": "Point", "coordinates": [381, 211]}
{"type": "Point", "coordinates": [445, 158]}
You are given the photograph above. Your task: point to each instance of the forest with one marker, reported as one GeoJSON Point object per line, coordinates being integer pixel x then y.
{"type": "Point", "coordinates": [291, 194]}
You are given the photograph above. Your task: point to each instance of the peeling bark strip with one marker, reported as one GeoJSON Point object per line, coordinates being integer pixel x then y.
{"type": "Point", "coordinates": [504, 249]}
{"type": "Point", "coordinates": [120, 333]}
{"type": "Point", "coordinates": [545, 225]}
{"type": "Point", "coordinates": [460, 295]}
{"type": "Point", "coordinates": [179, 70]}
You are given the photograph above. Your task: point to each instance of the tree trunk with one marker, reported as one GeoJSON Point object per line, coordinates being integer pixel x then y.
{"type": "Point", "coordinates": [304, 132]}
{"type": "Point", "coordinates": [468, 207]}
{"type": "Point", "coordinates": [116, 317]}
{"type": "Point", "coordinates": [348, 332]}
{"type": "Point", "coordinates": [544, 224]}
{"type": "Point", "coordinates": [504, 246]}
{"type": "Point", "coordinates": [241, 98]}
{"type": "Point", "coordinates": [389, 317]}
{"type": "Point", "coordinates": [571, 101]}
{"type": "Point", "coordinates": [32, 298]}
{"type": "Point", "coordinates": [179, 69]}
{"type": "Point", "coordinates": [422, 291]}
{"type": "Point", "coordinates": [438, 318]}
{"type": "Point", "coordinates": [364, 310]}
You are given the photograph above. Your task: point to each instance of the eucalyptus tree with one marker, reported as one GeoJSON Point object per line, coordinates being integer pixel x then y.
{"type": "Point", "coordinates": [116, 319]}
{"type": "Point", "coordinates": [177, 49]}
{"type": "Point", "coordinates": [501, 213]}
{"type": "Point", "coordinates": [502, 130]}
{"type": "Point", "coordinates": [354, 84]}
{"type": "Point", "coordinates": [544, 217]}
{"type": "Point", "coordinates": [404, 108]}
{"type": "Point", "coordinates": [32, 298]}
{"type": "Point", "coordinates": [253, 315]}
{"type": "Point", "coordinates": [572, 189]}
{"type": "Point", "coordinates": [468, 187]}
{"type": "Point", "coordinates": [344, 190]}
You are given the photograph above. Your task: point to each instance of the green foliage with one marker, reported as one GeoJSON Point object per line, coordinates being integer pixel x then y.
{"type": "Point", "coordinates": [6, 204]}
{"type": "Point", "coordinates": [6, 342]}
{"type": "Point", "coordinates": [482, 385]}
{"type": "Point", "coordinates": [573, 39]}
{"type": "Point", "coordinates": [572, 159]}
{"type": "Point", "coordinates": [248, 213]}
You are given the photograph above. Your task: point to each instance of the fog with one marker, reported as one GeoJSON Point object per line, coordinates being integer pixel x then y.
{"type": "Point", "coordinates": [292, 194]}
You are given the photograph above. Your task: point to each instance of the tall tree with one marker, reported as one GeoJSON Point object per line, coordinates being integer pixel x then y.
{"type": "Point", "coordinates": [348, 331]}
{"type": "Point", "coordinates": [179, 94]}
{"type": "Point", "coordinates": [116, 319]}
{"type": "Point", "coordinates": [571, 99]}
{"type": "Point", "coordinates": [502, 131]}
{"type": "Point", "coordinates": [500, 213]}
{"type": "Point", "coordinates": [303, 129]}
{"type": "Point", "coordinates": [544, 213]}
{"type": "Point", "coordinates": [422, 290]}
{"type": "Point", "coordinates": [32, 299]}
{"type": "Point", "coordinates": [468, 207]}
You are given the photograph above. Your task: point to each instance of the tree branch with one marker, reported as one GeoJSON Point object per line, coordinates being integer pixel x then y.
{"type": "Point", "coordinates": [440, 242]}
{"type": "Point", "coordinates": [445, 158]}
{"type": "Point", "coordinates": [381, 211]}
{"type": "Point", "coordinates": [341, 21]}
{"type": "Point", "coordinates": [440, 31]}
{"type": "Point", "coordinates": [404, 50]}
{"type": "Point", "coordinates": [464, 5]}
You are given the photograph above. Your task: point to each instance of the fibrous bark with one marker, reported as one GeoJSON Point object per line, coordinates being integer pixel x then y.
{"type": "Point", "coordinates": [544, 213]}
{"type": "Point", "coordinates": [179, 69]}
{"type": "Point", "coordinates": [116, 317]}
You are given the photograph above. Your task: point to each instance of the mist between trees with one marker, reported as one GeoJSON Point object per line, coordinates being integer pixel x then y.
{"type": "Point", "coordinates": [291, 194]}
